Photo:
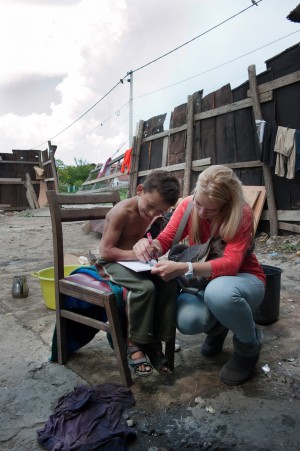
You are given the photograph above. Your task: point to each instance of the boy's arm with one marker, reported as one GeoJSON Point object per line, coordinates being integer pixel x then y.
{"type": "Point", "coordinates": [109, 250]}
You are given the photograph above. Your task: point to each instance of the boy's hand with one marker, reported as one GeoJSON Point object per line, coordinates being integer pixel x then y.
{"type": "Point", "coordinates": [144, 251]}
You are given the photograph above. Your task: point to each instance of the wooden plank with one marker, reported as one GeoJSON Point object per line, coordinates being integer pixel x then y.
{"type": "Point", "coordinates": [177, 143]}
{"type": "Point", "coordinates": [251, 197]}
{"type": "Point", "coordinates": [289, 227]}
{"type": "Point", "coordinates": [188, 148]}
{"type": "Point", "coordinates": [14, 162]}
{"type": "Point", "coordinates": [238, 105]}
{"type": "Point", "coordinates": [283, 215]}
{"type": "Point", "coordinates": [245, 103]}
{"type": "Point", "coordinates": [168, 133]}
{"type": "Point", "coordinates": [266, 169]}
{"type": "Point", "coordinates": [30, 193]}
{"type": "Point", "coordinates": [196, 165]}
{"type": "Point", "coordinates": [46, 163]}
{"type": "Point", "coordinates": [42, 200]}
{"type": "Point", "coordinates": [256, 196]}
{"type": "Point", "coordinates": [11, 181]}
{"type": "Point", "coordinates": [225, 128]}
{"type": "Point", "coordinates": [102, 179]}
{"type": "Point", "coordinates": [278, 83]}
{"type": "Point", "coordinates": [164, 157]}
{"type": "Point", "coordinates": [136, 149]}
{"type": "Point", "coordinates": [202, 162]}
{"type": "Point", "coordinates": [242, 165]}
{"type": "Point", "coordinates": [5, 205]}
{"type": "Point", "coordinates": [53, 167]}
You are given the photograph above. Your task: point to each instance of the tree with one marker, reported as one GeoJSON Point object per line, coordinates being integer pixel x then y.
{"type": "Point", "coordinates": [73, 175]}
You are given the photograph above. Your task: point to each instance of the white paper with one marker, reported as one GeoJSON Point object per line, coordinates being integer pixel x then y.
{"type": "Point", "coordinates": [137, 266]}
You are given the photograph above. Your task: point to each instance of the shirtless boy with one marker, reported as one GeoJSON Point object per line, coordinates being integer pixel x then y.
{"type": "Point", "coordinates": [150, 302]}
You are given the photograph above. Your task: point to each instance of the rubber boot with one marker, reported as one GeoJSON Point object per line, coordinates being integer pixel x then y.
{"type": "Point", "coordinates": [214, 341]}
{"type": "Point", "coordinates": [241, 364]}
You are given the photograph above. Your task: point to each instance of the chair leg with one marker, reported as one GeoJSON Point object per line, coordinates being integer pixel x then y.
{"type": "Point", "coordinates": [118, 342]}
{"type": "Point", "coordinates": [170, 350]}
{"type": "Point", "coordinates": [61, 334]}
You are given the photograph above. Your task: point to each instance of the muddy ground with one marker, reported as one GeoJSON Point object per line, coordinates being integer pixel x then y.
{"type": "Point", "coordinates": [191, 409]}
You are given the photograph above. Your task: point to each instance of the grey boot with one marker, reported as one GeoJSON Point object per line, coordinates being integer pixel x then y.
{"type": "Point", "coordinates": [213, 343]}
{"type": "Point", "coordinates": [241, 364]}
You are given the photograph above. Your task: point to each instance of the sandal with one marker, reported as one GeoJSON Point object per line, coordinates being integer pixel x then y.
{"type": "Point", "coordinates": [157, 357]}
{"type": "Point", "coordinates": [134, 364]}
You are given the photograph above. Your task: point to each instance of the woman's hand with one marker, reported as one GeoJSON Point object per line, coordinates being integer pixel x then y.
{"type": "Point", "coordinates": [168, 270]}
{"type": "Point", "coordinates": [145, 251]}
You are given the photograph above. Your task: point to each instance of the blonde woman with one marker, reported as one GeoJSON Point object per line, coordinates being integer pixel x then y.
{"type": "Point", "coordinates": [236, 280]}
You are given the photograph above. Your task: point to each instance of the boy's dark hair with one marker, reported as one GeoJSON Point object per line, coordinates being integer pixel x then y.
{"type": "Point", "coordinates": [166, 184]}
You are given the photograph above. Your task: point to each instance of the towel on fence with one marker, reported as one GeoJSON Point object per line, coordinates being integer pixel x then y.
{"type": "Point", "coordinates": [79, 335]}
{"type": "Point", "coordinates": [286, 152]}
{"type": "Point", "coordinates": [268, 155]}
{"type": "Point", "coordinates": [127, 161]}
{"type": "Point", "coordinates": [105, 169]}
{"type": "Point", "coordinates": [89, 418]}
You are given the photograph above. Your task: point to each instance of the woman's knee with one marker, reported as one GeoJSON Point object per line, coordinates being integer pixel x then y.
{"type": "Point", "coordinates": [192, 314]}
{"type": "Point", "coordinates": [220, 294]}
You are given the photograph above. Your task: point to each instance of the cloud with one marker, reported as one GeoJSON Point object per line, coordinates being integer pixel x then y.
{"type": "Point", "coordinates": [61, 57]}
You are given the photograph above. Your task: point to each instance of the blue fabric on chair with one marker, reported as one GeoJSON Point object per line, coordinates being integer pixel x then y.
{"type": "Point", "coordinates": [79, 335]}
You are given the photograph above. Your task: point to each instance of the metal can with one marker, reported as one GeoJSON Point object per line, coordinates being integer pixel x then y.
{"type": "Point", "coordinates": [20, 287]}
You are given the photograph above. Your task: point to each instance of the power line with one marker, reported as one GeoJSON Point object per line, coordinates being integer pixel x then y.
{"type": "Point", "coordinates": [98, 125]}
{"type": "Point", "coordinates": [182, 81]}
{"type": "Point", "coordinates": [216, 67]}
{"type": "Point", "coordinates": [145, 65]}
{"type": "Point", "coordinates": [197, 37]}
{"type": "Point", "coordinates": [80, 117]}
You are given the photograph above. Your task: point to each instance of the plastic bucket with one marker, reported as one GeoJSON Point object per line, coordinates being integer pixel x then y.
{"type": "Point", "coordinates": [268, 311]}
{"type": "Point", "coordinates": [46, 277]}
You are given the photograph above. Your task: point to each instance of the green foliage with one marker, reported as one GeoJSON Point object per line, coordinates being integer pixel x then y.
{"type": "Point", "coordinates": [123, 193]}
{"type": "Point", "coordinates": [73, 176]}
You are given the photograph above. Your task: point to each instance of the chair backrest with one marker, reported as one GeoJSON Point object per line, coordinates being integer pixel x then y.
{"type": "Point", "coordinates": [75, 207]}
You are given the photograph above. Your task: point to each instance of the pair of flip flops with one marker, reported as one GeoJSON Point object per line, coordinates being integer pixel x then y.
{"type": "Point", "coordinates": [153, 358]}
{"type": "Point", "coordinates": [157, 358]}
{"type": "Point", "coordinates": [135, 364]}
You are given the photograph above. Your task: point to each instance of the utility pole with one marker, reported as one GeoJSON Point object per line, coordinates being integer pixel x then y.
{"type": "Point", "coordinates": [130, 80]}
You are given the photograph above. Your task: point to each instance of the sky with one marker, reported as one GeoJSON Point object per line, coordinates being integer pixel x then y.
{"type": "Point", "coordinates": [62, 62]}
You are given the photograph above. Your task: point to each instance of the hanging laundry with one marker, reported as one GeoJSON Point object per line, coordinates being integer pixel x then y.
{"type": "Point", "coordinates": [105, 169]}
{"type": "Point", "coordinates": [260, 127]}
{"type": "Point", "coordinates": [286, 152]}
{"type": "Point", "coordinates": [127, 161]}
{"type": "Point", "coordinates": [268, 155]}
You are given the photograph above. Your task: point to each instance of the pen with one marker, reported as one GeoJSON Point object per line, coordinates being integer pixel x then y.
{"type": "Point", "coordinates": [150, 240]}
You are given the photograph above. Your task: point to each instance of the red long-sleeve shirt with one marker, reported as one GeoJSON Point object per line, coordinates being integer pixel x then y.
{"type": "Point", "coordinates": [235, 258]}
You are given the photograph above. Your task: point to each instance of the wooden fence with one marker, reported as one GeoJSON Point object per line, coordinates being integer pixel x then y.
{"type": "Point", "coordinates": [220, 128]}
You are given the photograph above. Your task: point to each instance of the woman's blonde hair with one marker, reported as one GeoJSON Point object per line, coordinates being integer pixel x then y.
{"type": "Point", "coordinates": [221, 185]}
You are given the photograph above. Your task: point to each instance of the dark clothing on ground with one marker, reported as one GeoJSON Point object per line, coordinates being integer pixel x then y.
{"type": "Point", "coordinates": [88, 419]}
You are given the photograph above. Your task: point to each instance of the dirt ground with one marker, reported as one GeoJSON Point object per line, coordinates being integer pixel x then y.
{"type": "Point", "coordinates": [189, 409]}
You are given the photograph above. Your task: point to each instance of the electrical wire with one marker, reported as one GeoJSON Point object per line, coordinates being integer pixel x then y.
{"type": "Point", "coordinates": [197, 37]}
{"type": "Point", "coordinates": [80, 117]}
{"type": "Point", "coordinates": [183, 81]}
{"type": "Point", "coordinates": [216, 67]}
{"type": "Point", "coordinates": [255, 3]}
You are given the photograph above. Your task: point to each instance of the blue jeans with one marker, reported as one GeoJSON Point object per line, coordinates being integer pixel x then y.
{"type": "Point", "coordinates": [227, 299]}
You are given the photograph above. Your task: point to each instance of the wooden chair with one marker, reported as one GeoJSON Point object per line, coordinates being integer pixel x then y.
{"type": "Point", "coordinates": [77, 207]}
